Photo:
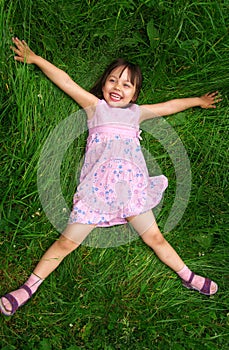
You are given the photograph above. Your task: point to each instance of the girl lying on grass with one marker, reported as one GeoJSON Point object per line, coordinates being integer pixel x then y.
{"type": "Point", "coordinates": [115, 187]}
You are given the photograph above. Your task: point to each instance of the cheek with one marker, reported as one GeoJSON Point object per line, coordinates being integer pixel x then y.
{"type": "Point", "coordinates": [134, 95]}
{"type": "Point", "coordinates": [104, 88]}
{"type": "Point", "coordinates": [134, 98]}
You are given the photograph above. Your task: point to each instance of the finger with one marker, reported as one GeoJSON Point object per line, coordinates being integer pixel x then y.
{"type": "Point", "coordinates": [17, 51]}
{"type": "Point", "coordinates": [213, 94]}
{"type": "Point", "coordinates": [19, 59]}
{"type": "Point", "coordinates": [14, 48]}
{"type": "Point", "coordinates": [18, 43]}
{"type": "Point", "coordinates": [24, 43]}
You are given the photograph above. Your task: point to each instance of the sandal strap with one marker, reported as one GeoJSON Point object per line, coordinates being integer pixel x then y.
{"type": "Point", "coordinates": [27, 289]}
{"type": "Point", "coordinates": [191, 277]}
{"type": "Point", "coordinates": [13, 302]}
{"type": "Point", "coordinates": [206, 287]}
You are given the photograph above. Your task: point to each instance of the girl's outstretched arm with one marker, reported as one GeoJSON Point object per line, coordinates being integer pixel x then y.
{"type": "Point", "coordinates": [24, 54]}
{"type": "Point", "coordinates": [208, 100]}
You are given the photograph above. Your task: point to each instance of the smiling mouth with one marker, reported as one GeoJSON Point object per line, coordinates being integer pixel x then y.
{"type": "Point", "coordinates": [115, 97]}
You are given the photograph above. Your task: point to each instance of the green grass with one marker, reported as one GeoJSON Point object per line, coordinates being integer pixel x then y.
{"type": "Point", "coordinates": [121, 297]}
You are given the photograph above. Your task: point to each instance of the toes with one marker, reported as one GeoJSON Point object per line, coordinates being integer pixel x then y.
{"type": "Point", "coordinates": [3, 308]}
{"type": "Point", "coordinates": [7, 306]}
{"type": "Point", "coordinates": [214, 288]}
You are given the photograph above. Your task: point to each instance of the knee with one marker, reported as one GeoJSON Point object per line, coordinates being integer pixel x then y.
{"type": "Point", "coordinates": [153, 238]}
{"type": "Point", "coordinates": [159, 239]}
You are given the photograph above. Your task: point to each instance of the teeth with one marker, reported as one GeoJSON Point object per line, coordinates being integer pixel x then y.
{"type": "Point", "coordinates": [116, 97]}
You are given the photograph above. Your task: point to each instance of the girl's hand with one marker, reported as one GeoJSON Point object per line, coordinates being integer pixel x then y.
{"type": "Point", "coordinates": [209, 100]}
{"type": "Point", "coordinates": [22, 51]}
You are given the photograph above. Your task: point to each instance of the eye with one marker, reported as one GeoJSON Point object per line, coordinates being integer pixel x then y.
{"type": "Point", "coordinates": [127, 85]}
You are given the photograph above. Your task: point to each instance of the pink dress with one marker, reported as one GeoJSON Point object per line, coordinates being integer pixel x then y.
{"type": "Point", "coordinates": [114, 180]}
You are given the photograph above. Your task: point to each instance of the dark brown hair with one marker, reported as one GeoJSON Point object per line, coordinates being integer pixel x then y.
{"type": "Point", "coordinates": [135, 77]}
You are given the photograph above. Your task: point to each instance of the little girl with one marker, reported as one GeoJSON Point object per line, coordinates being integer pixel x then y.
{"type": "Point", "coordinates": [115, 187]}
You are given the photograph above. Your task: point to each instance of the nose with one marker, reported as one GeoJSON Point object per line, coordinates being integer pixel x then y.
{"type": "Point", "coordinates": [117, 86]}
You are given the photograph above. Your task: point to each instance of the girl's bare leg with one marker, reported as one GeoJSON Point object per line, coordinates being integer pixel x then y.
{"type": "Point", "coordinates": [71, 238]}
{"type": "Point", "coordinates": [165, 252]}
{"type": "Point", "coordinates": [155, 240]}
{"type": "Point", "coordinates": [61, 248]}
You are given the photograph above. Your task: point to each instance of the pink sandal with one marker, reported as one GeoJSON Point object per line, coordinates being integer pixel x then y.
{"type": "Point", "coordinates": [206, 289]}
{"type": "Point", "coordinates": [13, 301]}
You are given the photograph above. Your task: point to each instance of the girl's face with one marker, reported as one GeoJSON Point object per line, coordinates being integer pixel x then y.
{"type": "Point", "coordinates": [118, 90]}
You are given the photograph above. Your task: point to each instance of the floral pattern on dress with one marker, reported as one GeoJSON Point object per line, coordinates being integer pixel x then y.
{"type": "Point", "coordinates": [114, 180]}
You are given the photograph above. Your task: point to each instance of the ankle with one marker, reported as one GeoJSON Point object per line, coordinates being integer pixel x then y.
{"type": "Point", "coordinates": [34, 282]}
{"type": "Point", "coordinates": [184, 273]}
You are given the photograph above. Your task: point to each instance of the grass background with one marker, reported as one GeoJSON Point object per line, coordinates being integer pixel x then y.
{"type": "Point", "coordinates": [123, 297]}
